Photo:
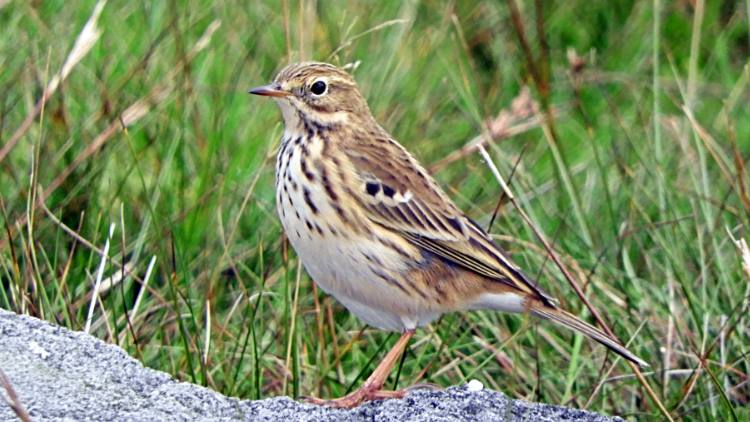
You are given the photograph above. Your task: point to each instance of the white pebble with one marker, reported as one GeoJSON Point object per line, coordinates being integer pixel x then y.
{"type": "Point", "coordinates": [474, 385]}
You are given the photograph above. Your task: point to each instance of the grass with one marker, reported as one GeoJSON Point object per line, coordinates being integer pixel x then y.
{"type": "Point", "coordinates": [639, 182]}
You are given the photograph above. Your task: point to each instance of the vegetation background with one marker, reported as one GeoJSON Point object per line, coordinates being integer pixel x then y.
{"type": "Point", "coordinates": [628, 152]}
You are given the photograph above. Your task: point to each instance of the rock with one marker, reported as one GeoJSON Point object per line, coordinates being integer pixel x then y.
{"type": "Point", "coordinates": [62, 375]}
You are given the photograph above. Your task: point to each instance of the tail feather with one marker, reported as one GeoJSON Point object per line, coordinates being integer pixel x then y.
{"type": "Point", "coordinates": [570, 321]}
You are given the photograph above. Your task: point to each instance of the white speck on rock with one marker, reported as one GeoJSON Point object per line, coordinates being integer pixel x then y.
{"type": "Point", "coordinates": [474, 385]}
{"type": "Point", "coordinates": [38, 350]}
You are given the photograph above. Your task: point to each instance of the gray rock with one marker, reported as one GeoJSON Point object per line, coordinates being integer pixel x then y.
{"type": "Point", "coordinates": [61, 375]}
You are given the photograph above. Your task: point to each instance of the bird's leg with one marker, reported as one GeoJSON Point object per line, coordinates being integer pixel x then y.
{"type": "Point", "coordinates": [370, 390]}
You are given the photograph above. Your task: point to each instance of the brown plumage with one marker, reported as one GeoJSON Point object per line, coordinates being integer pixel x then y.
{"type": "Point", "coordinates": [374, 229]}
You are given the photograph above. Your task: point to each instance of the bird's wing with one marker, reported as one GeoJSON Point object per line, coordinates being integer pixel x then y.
{"type": "Point", "coordinates": [397, 193]}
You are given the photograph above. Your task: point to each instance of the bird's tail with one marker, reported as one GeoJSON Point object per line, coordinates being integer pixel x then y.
{"type": "Point", "coordinates": [567, 320]}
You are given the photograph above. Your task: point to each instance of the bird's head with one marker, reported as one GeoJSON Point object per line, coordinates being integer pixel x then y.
{"type": "Point", "coordinates": [316, 93]}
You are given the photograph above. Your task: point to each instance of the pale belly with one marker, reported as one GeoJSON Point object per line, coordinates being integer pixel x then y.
{"type": "Point", "coordinates": [360, 273]}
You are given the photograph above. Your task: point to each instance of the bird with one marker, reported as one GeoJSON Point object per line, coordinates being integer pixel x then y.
{"type": "Point", "coordinates": [376, 231]}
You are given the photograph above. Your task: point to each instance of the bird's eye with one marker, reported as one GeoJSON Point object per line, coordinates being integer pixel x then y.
{"type": "Point", "coordinates": [318, 88]}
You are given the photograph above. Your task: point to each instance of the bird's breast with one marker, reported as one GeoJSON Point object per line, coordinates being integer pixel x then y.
{"type": "Point", "coordinates": [360, 263]}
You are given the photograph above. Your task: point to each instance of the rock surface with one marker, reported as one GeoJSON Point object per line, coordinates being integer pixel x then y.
{"type": "Point", "coordinates": [62, 375]}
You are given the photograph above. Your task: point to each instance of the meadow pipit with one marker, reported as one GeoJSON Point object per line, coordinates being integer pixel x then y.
{"type": "Point", "coordinates": [376, 231]}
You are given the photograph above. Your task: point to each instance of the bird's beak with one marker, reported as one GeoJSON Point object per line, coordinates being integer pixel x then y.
{"type": "Point", "coordinates": [273, 90]}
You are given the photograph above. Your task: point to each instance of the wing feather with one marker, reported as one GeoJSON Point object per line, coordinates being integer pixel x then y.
{"type": "Point", "coordinates": [398, 194]}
